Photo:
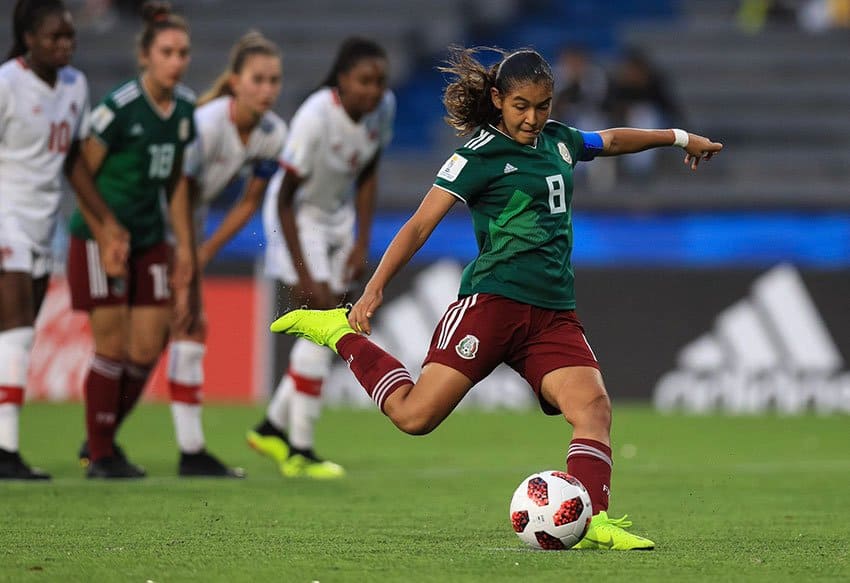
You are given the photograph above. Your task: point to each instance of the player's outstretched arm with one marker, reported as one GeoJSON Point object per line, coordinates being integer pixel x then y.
{"type": "Point", "coordinates": [617, 141]}
{"type": "Point", "coordinates": [236, 218]}
{"type": "Point", "coordinates": [404, 245]}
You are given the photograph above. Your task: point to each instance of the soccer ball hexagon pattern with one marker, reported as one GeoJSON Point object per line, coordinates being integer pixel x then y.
{"type": "Point", "coordinates": [550, 510]}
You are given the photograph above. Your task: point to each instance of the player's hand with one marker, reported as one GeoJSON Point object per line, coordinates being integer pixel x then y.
{"type": "Point", "coordinates": [114, 245]}
{"type": "Point", "coordinates": [183, 268]}
{"type": "Point", "coordinates": [700, 148]}
{"type": "Point", "coordinates": [188, 317]}
{"type": "Point", "coordinates": [364, 309]}
{"type": "Point", "coordinates": [355, 265]}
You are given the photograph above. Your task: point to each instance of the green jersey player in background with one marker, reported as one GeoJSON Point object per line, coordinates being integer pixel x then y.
{"type": "Point", "coordinates": [138, 133]}
{"type": "Point", "coordinates": [516, 302]}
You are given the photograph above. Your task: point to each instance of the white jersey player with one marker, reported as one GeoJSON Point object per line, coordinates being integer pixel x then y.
{"type": "Point", "coordinates": [327, 186]}
{"type": "Point", "coordinates": [43, 116]}
{"type": "Point", "coordinates": [236, 132]}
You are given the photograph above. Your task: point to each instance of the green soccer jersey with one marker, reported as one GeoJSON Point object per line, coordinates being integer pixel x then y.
{"type": "Point", "coordinates": [143, 147]}
{"type": "Point", "coordinates": [519, 197]}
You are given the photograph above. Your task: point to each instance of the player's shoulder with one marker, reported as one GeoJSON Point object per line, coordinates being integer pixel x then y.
{"type": "Point", "coordinates": [481, 143]}
{"type": "Point", "coordinates": [11, 69]}
{"type": "Point", "coordinates": [272, 126]}
{"type": "Point", "coordinates": [559, 130]}
{"type": "Point", "coordinates": [124, 94]}
{"type": "Point", "coordinates": [214, 112]}
{"type": "Point", "coordinates": [184, 95]}
{"type": "Point", "coordinates": [318, 102]}
{"type": "Point", "coordinates": [69, 75]}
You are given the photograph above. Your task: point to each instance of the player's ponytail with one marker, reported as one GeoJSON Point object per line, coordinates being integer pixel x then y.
{"type": "Point", "coordinates": [352, 51]}
{"type": "Point", "coordinates": [158, 17]}
{"type": "Point", "coordinates": [26, 18]}
{"type": "Point", "coordinates": [252, 43]}
{"type": "Point", "coordinates": [467, 98]}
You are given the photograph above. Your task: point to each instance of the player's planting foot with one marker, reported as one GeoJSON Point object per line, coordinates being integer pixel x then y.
{"type": "Point", "coordinates": [203, 464]}
{"type": "Point", "coordinates": [265, 439]}
{"type": "Point", "coordinates": [324, 327]}
{"type": "Point", "coordinates": [13, 467]}
{"type": "Point", "coordinates": [610, 534]}
{"type": "Point", "coordinates": [114, 468]}
{"type": "Point", "coordinates": [306, 464]}
{"type": "Point", "coordinates": [85, 457]}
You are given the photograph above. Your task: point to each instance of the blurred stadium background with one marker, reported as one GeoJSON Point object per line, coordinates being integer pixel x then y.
{"type": "Point", "coordinates": [726, 289]}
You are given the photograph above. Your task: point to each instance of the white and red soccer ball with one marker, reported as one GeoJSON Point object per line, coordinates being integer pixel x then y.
{"type": "Point", "coordinates": [551, 510]}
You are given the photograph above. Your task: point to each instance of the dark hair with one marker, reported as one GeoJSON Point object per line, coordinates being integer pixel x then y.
{"type": "Point", "coordinates": [352, 51]}
{"type": "Point", "coordinates": [467, 98]}
{"type": "Point", "coordinates": [26, 18]}
{"type": "Point", "coordinates": [252, 43]}
{"type": "Point", "coordinates": [158, 17]}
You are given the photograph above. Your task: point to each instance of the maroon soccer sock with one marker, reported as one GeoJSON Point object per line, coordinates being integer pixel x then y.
{"type": "Point", "coordinates": [103, 385]}
{"type": "Point", "coordinates": [132, 385]}
{"type": "Point", "coordinates": [590, 461]}
{"type": "Point", "coordinates": [378, 372]}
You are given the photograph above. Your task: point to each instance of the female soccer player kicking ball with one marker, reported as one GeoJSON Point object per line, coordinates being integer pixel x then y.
{"type": "Point", "coordinates": [332, 149]}
{"type": "Point", "coordinates": [516, 303]}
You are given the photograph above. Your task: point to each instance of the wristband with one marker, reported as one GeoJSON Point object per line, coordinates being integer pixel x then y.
{"type": "Point", "coordinates": [681, 138]}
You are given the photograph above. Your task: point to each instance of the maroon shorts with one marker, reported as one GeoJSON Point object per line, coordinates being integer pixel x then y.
{"type": "Point", "coordinates": [146, 283]}
{"type": "Point", "coordinates": [481, 331]}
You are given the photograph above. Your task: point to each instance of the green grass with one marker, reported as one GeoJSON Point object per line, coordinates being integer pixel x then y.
{"type": "Point", "coordinates": [731, 499]}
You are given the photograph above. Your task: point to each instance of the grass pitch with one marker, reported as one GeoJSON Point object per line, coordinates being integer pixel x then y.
{"type": "Point", "coordinates": [732, 499]}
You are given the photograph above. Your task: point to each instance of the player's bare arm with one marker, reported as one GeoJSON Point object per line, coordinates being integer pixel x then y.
{"type": "Point", "coordinates": [617, 141]}
{"type": "Point", "coordinates": [317, 294]}
{"type": "Point", "coordinates": [112, 238]}
{"type": "Point", "coordinates": [367, 188]}
{"type": "Point", "coordinates": [236, 218]}
{"type": "Point", "coordinates": [403, 247]}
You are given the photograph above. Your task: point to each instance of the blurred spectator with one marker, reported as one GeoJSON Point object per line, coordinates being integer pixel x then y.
{"type": "Point", "coordinates": [581, 90]}
{"type": "Point", "coordinates": [640, 98]}
{"type": "Point", "coordinates": [102, 15]}
{"type": "Point", "coordinates": [581, 94]}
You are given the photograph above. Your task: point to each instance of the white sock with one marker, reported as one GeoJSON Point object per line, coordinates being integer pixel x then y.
{"type": "Point", "coordinates": [278, 410]}
{"type": "Point", "coordinates": [9, 426]}
{"type": "Point", "coordinates": [309, 365]}
{"type": "Point", "coordinates": [303, 415]}
{"type": "Point", "coordinates": [186, 376]}
{"type": "Point", "coordinates": [15, 345]}
{"type": "Point", "coordinates": [187, 427]}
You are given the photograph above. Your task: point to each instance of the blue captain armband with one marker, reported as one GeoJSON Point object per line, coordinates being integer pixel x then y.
{"type": "Point", "coordinates": [265, 168]}
{"type": "Point", "coordinates": [593, 145]}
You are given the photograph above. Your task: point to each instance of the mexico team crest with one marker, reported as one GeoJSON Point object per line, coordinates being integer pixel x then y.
{"type": "Point", "coordinates": [565, 152]}
{"type": "Point", "coordinates": [468, 347]}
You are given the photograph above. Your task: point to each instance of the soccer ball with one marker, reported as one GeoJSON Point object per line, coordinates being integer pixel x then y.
{"type": "Point", "coordinates": [551, 511]}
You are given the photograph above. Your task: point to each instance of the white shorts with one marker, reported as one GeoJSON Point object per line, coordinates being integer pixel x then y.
{"type": "Point", "coordinates": [19, 255]}
{"type": "Point", "coordinates": [325, 245]}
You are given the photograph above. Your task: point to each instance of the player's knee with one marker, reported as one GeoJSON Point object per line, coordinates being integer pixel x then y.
{"type": "Point", "coordinates": [598, 411]}
{"type": "Point", "coordinates": [415, 422]}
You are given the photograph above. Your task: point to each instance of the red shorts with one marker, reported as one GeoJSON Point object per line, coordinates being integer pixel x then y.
{"type": "Point", "coordinates": [481, 331]}
{"type": "Point", "coordinates": [146, 283]}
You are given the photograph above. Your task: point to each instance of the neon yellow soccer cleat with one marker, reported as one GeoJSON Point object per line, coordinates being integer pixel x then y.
{"type": "Point", "coordinates": [271, 446]}
{"type": "Point", "coordinates": [609, 534]}
{"type": "Point", "coordinates": [324, 327]}
{"type": "Point", "coordinates": [307, 465]}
